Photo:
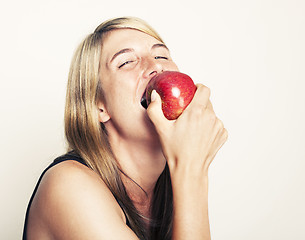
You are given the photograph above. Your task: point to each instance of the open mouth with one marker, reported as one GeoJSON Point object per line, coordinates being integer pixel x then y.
{"type": "Point", "coordinates": [143, 100]}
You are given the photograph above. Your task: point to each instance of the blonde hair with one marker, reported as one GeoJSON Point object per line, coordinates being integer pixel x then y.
{"type": "Point", "coordinates": [84, 133]}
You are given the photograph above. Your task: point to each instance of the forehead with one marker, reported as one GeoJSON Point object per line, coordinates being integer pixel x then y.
{"type": "Point", "coordinates": [118, 39]}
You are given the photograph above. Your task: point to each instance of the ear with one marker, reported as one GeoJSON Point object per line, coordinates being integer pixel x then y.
{"type": "Point", "coordinates": [103, 114]}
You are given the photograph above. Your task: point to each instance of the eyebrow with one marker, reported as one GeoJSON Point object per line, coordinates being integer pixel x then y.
{"type": "Point", "coordinates": [126, 50]}
{"type": "Point", "coordinates": [160, 45]}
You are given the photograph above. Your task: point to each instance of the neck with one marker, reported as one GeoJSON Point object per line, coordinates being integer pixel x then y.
{"type": "Point", "coordinates": [141, 164]}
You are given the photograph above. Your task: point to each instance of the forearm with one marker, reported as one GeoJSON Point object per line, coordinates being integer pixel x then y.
{"type": "Point", "coordinates": [190, 144]}
{"type": "Point", "coordinates": [190, 199]}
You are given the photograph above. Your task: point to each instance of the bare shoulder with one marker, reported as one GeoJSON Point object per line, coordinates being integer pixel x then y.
{"type": "Point", "coordinates": [72, 202]}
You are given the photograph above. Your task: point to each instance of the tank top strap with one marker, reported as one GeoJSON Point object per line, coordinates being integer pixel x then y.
{"type": "Point", "coordinates": [68, 156]}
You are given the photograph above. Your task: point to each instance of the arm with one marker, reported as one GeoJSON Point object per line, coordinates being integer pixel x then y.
{"type": "Point", "coordinates": [74, 203]}
{"type": "Point", "coordinates": [189, 144]}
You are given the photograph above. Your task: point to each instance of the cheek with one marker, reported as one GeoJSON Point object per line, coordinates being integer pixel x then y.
{"type": "Point", "coordinates": [111, 94]}
{"type": "Point", "coordinates": [171, 66]}
{"type": "Point", "coordinates": [117, 98]}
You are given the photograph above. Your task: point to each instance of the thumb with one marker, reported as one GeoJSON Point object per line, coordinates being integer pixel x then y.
{"type": "Point", "coordinates": [154, 110]}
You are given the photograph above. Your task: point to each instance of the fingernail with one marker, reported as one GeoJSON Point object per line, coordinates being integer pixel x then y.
{"type": "Point", "coordinates": [153, 95]}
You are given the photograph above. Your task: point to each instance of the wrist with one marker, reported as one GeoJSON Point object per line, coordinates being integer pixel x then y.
{"type": "Point", "coordinates": [185, 181]}
{"type": "Point", "coordinates": [185, 170]}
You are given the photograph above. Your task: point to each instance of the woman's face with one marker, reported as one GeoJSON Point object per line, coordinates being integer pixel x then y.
{"type": "Point", "coordinates": [129, 59]}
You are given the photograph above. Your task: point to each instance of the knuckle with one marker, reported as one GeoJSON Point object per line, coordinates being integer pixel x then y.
{"type": "Point", "coordinates": [220, 124]}
{"type": "Point", "coordinates": [210, 115]}
{"type": "Point", "coordinates": [210, 106]}
{"type": "Point", "coordinates": [198, 111]}
{"type": "Point", "coordinates": [225, 134]}
{"type": "Point", "coordinates": [207, 91]}
{"type": "Point", "coordinates": [203, 89]}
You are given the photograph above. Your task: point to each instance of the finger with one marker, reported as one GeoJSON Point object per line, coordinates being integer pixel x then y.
{"type": "Point", "coordinates": [218, 131]}
{"type": "Point", "coordinates": [223, 138]}
{"type": "Point", "coordinates": [155, 112]}
{"type": "Point", "coordinates": [210, 106]}
{"type": "Point", "coordinates": [220, 141]}
{"type": "Point", "coordinates": [201, 97]}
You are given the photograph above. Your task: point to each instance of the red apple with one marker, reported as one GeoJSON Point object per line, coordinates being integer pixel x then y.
{"type": "Point", "coordinates": [176, 90]}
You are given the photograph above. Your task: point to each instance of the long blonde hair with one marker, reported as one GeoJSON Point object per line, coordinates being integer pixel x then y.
{"type": "Point", "coordinates": [84, 133]}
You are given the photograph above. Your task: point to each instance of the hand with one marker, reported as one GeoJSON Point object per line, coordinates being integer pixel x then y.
{"type": "Point", "coordinates": [191, 141]}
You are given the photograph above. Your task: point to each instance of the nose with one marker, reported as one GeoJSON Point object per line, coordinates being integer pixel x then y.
{"type": "Point", "coordinates": [152, 67]}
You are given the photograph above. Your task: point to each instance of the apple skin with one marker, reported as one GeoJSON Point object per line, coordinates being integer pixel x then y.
{"type": "Point", "coordinates": [176, 90]}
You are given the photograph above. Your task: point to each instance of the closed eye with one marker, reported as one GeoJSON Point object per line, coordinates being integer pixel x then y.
{"type": "Point", "coordinates": [125, 63]}
{"type": "Point", "coordinates": [161, 57]}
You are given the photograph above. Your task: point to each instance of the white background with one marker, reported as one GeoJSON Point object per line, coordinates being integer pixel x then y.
{"type": "Point", "coordinates": [250, 53]}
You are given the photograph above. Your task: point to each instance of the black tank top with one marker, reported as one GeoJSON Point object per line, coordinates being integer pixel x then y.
{"type": "Point", "coordinates": [69, 156]}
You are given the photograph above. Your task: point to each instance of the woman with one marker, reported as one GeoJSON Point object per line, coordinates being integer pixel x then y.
{"type": "Point", "coordinates": [130, 173]}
